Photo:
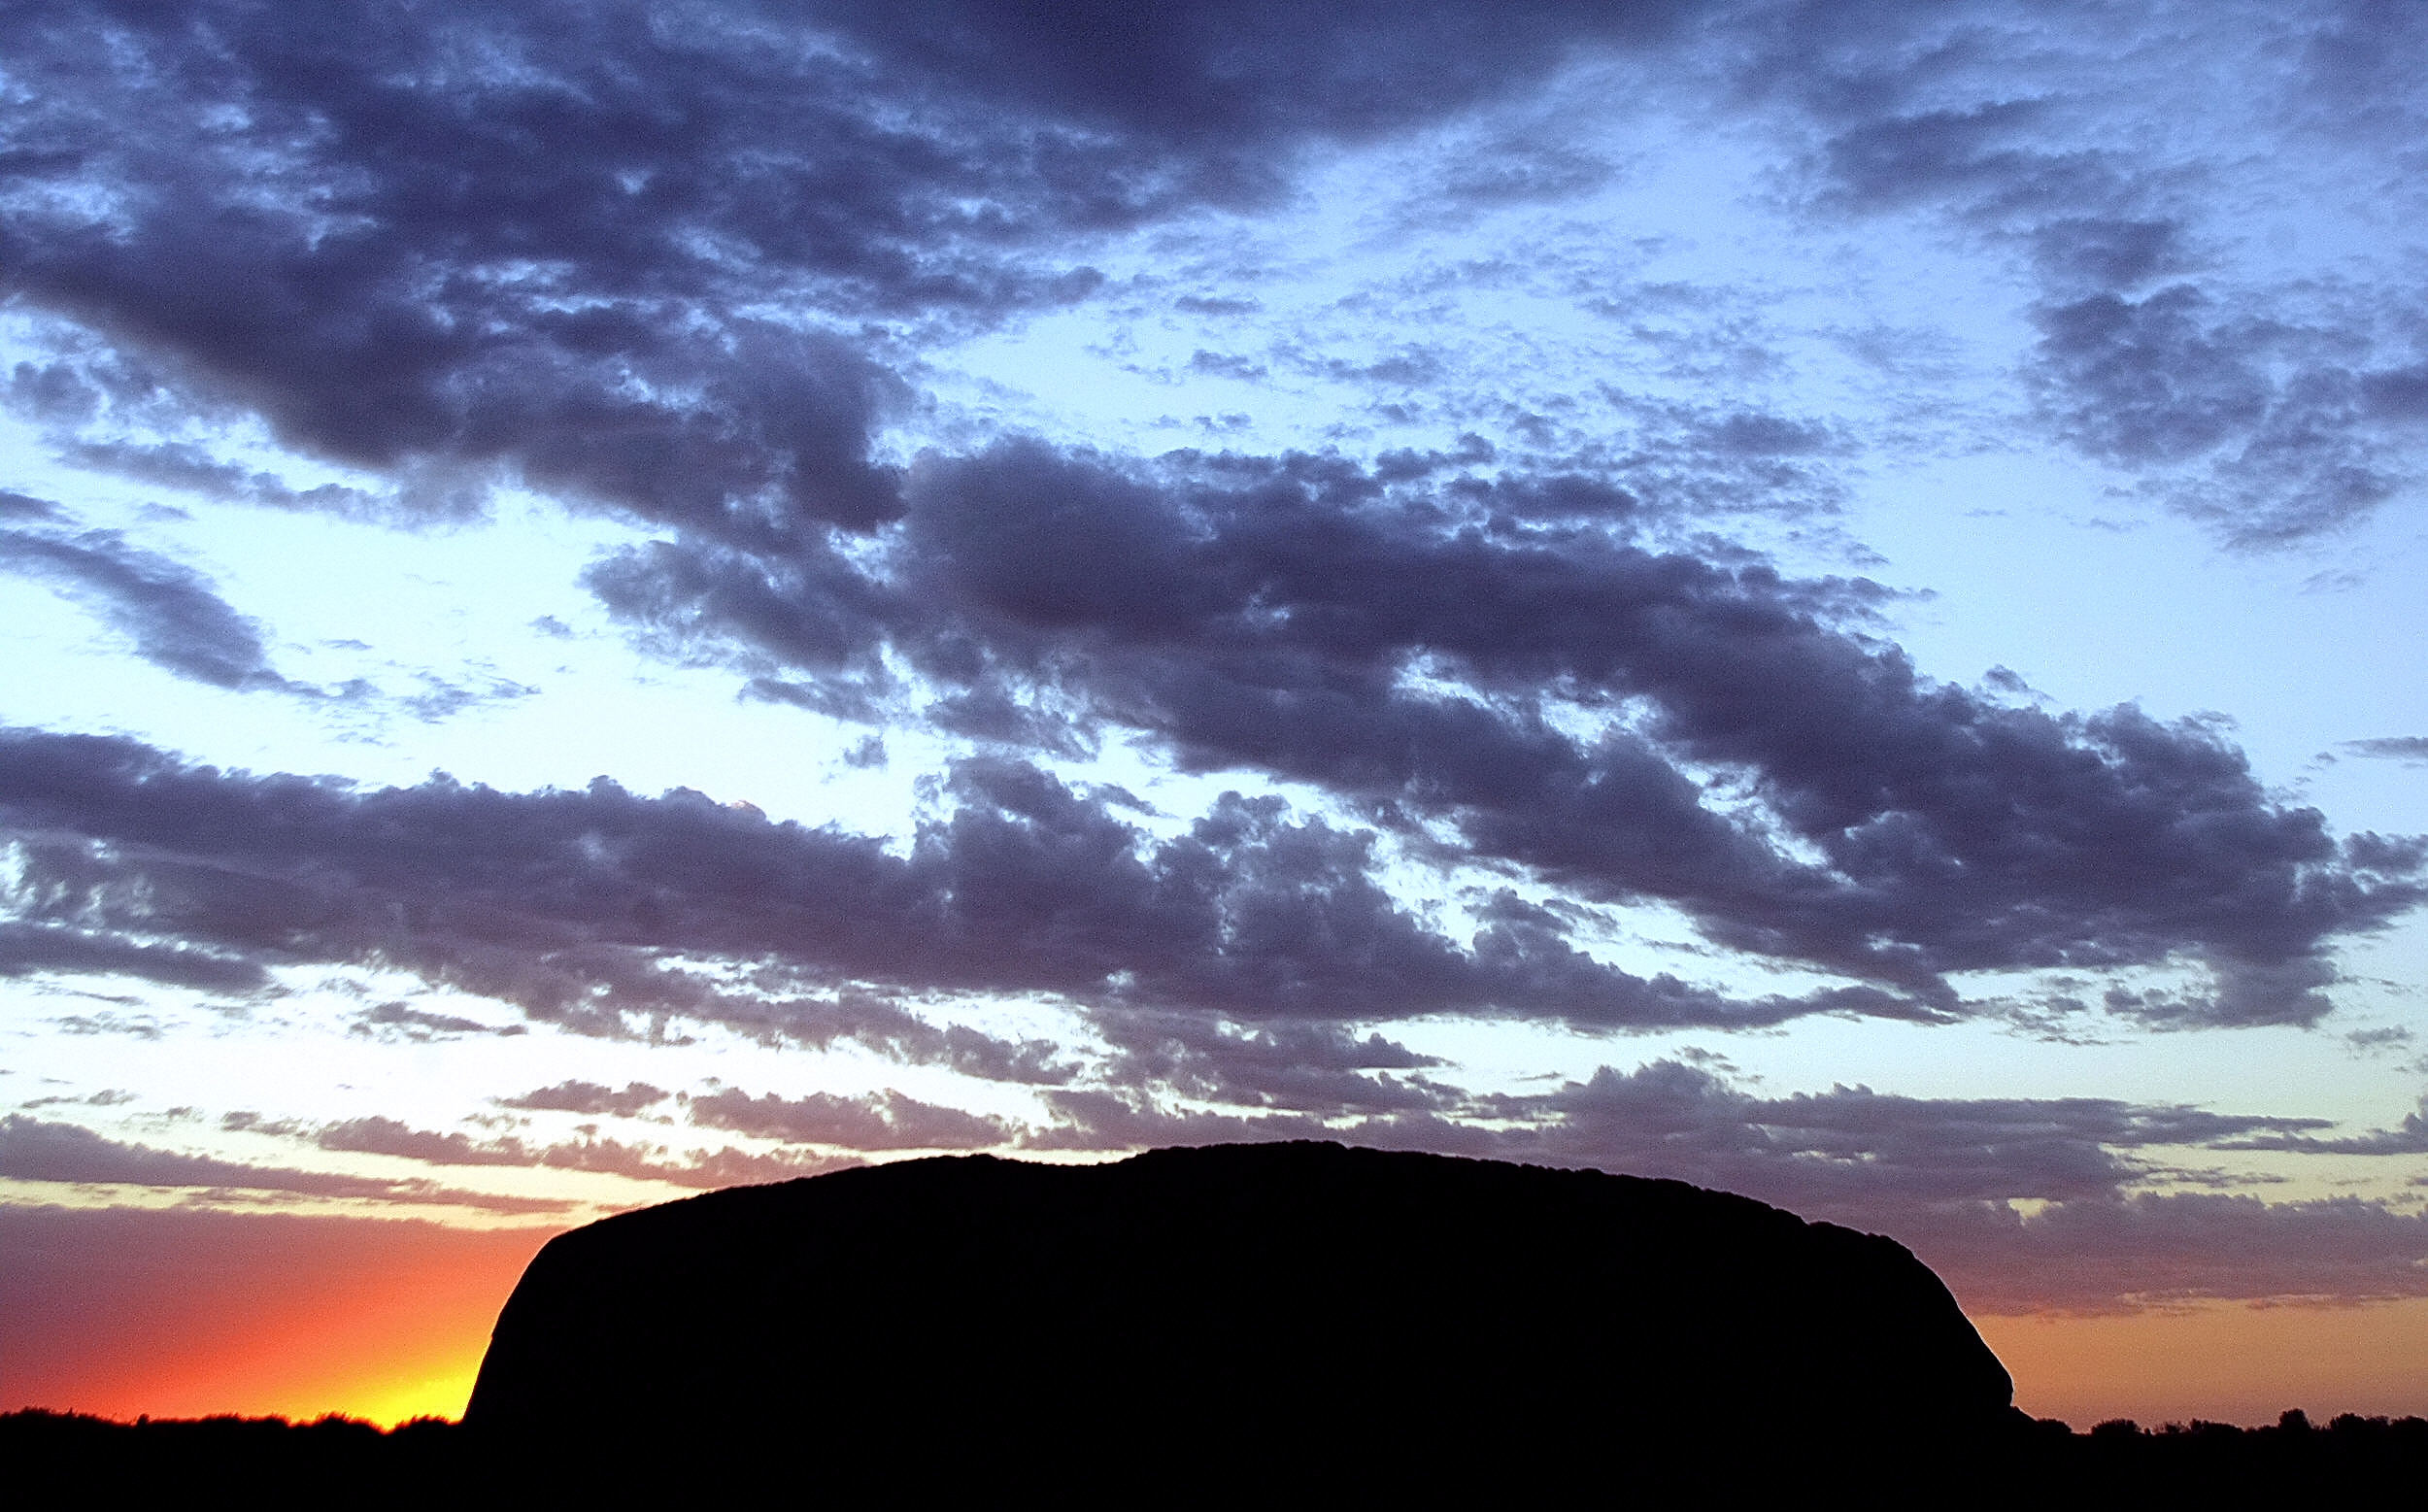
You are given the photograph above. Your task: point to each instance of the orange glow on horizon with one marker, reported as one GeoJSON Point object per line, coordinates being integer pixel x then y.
{"type": "Point", "coordinates": [254, 1316]}
{"type": "Point", "coordinates": [2227, 1362]}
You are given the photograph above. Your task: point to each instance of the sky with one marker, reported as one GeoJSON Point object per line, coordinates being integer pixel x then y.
{"type": "Point", "coordinates": [1821, 599]}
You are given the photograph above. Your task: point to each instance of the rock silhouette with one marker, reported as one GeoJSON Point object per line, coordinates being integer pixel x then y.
{"type": "Point", "coordinates": [1224, 1314]}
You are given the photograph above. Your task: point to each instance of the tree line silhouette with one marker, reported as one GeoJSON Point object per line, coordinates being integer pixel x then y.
{"type": "Point", "coordinates": [336, 1460]}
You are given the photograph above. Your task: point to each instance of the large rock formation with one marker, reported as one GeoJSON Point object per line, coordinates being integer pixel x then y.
{"type": "Point", "coordinates": [1219, 1314]}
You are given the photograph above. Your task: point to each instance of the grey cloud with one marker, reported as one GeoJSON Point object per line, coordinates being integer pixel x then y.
{"type": "Point", "coordinates": [379, 1135]}
{"type": "Point", "coordinates": [538, 268]}
{"type": "Point", "coordinates": [2151, 380]}
{"type": "Point", "coordinates": [1987, 158]}
{"type": "Point", "coordinates": [2108, 253]}
{"type": "Point", "coordinates": [181, 464]}
{"type": "Point", "coordinates": [873, 1120]}
{"type": "Point", "coordinates": [106, 1098]}
{"type": "Point", "coordinates": [564, 902]}
{"type": "Point", "coordinates": [397, 1021]}
{"type": "Point", "coordinates": [32, 1150]}
{"type": "Point", "coordinates": [2246, 404]}
{"type": "Point", "coordinates": [882, 1024]}
{"type": "Point", "coordinates": [23, 507]}
{"type": "Point", "coordinates": [169, 611]}
{"type": "Point", "coordinates": [1260, 613]}
{"type": "Point", "coordinates": [2123, 1254]}
{"type": "Point", "coordinates": [376, 1134]}
{"type": "Point", "coordinates": [2408, 749]}
{"type": "Point", "coordinates": [579, 1096]}
{"type": "Point", "coordinates": [2409, 1138]}
{"type": "Point", "coordinates": [2272, 407]}
{"type": "Point", "coordinates": [705, 1169]}
{"type": "Point", "coordinates": [562, 265]}
{"type": "Point", "coordinates": [558, 264]}
{"type": "Point", "coordinates": [1098, 1119]}
{"type": "Point", "coordinates": [26, 949]}
{"type": "Point", "coordinates": [1320, 1069]}
{"type": "Point", "coordinates": [1853, 1148]}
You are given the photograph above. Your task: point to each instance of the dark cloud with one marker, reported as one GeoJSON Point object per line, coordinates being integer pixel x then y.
{"type": "Point", "coordinates": [1264, 614]}
{"type": "Point", "coordinates": [22, 507]}
{"type": "Point", "coordinates": [171, 613]}
{"type": "Point", "coordinates": [577, 1096]}
{"type": "Point", "coordinates": [568, 903]}
{"type": "Point", "coordinates": [560, 261]}
{"type": "Point", "coordinates": [565, 263]}
{"type": "Point", "coordinates": [32, 1150]}
{"type": "Point", "coordinates": [880, 1023]}
{"type": "Point", "coordinates": [25, 949]}
{"type": "Point", "coordinates": [1850, 1152]}
{"type": "Point", "coordinates": [2274, 407]}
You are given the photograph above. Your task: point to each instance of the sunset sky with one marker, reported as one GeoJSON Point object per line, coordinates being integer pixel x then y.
{"type": "Point", "coordinates": [603, 600]}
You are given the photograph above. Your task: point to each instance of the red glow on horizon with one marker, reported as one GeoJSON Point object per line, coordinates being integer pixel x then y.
{"type": "Point", "coordinates": [191, 1314]}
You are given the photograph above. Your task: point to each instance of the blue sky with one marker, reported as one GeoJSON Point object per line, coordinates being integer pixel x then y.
{"type": "Point", "coordinates": [1821, 599]}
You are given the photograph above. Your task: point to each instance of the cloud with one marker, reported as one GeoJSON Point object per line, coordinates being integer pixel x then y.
{"type": "Point", "coordinates": [1319, 1069]}
{"type": "Point", "coordinates": [568, 903]}
{"type": "Point", "coordinates": [171, 613]}
{"type": "Point", "coordinates": [1851, 1147]}
{"type": "Point", "coordinates": [2128, 1253]}
{"type": "Point", "coordinates": [2410, 750]}
{"type": "Point", "coordinates": [872, 1121]}
{"type": "Point", "coordinates": [532, 268]}
{"type": "Point", "coordinates": [183, 464]}
{"type": "Point", "coordinates": [377, 1134]}
{"type": "Point", "coordinates": [2274, 410]}
{"type": "Point", "coordinates": [677, 269]}
{"type": "Point", "coordinates": [26, 949]}
{"type": "Point", "coordinates": [1264, 613]}
{"type": "Point", "coordinates": [579, 1096]}
{"type": "Point", "coordinates": [561, 262]}
{"type": "Point", "coordinates": [703, 1169]}
{"type": "Point", "coordinates": [32, 1150]}
{"type": "Point", "coordinates": [2411, 1138]}
{"type": "Point", "coordinates": [395, 1021]}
